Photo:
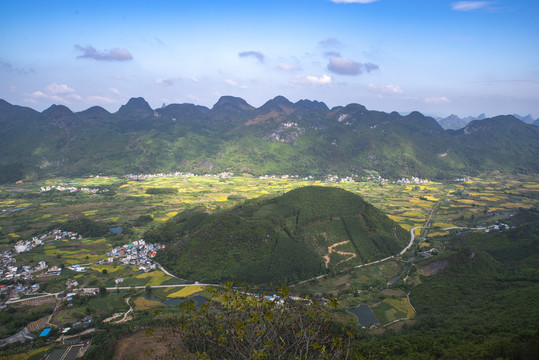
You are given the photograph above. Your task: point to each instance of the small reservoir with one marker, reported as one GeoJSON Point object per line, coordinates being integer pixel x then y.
{"type": "Point", "coordinates": [364, 315]}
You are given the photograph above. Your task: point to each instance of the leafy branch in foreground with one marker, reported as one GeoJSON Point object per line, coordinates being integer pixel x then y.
{"type": "Point", "coordinates": [239, 325]}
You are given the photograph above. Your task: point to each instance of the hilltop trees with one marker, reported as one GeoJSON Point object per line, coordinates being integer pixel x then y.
{"type": "Point", "coordinates": [235, 325]}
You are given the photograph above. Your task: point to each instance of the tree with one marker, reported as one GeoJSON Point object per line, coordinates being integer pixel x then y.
{"type": "Point", "coordinates": [235, 325]}
{"type": "Point", "coordinates": [103, 291]}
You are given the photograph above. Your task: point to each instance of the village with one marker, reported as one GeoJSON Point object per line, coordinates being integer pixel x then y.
{"type": "Point", "coordinates": [19, 279]}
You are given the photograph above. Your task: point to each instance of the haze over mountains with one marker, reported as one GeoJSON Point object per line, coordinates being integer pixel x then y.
{"type": "Point", "coordinates": [454, 122]}
{"type": "Point", "coordinates": [280, 137]}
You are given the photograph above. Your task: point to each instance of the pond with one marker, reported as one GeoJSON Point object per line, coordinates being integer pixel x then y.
{"type": "Point", "coordinates": [364, 315]}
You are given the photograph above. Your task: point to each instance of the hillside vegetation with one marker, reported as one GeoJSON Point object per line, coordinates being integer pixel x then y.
{"type": "Point", "coordinates": [280, 137]}
{"type": "Point", "coordinates": [482, 305]}
{"type": "Point", "coordinates": [281, 240]}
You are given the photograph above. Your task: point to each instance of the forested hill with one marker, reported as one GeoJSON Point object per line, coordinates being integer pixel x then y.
{"type": "Point", "coordinates": [280, 137]}
{"type": "Point", "coordinates": [301, 234]}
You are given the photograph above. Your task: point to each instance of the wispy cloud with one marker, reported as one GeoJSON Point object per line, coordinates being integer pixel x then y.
{"type": "Point", "coordinates": [164, 82]}
{"type": "Point", "coordinates": [55, 92]}
{"type": "Point", "coordinates": [10, 68]}
{"type": "Point", "coordinates": [330, 54]}
{"type": "Point", "coordinates": [234, 83]}
{"type": "Point", "coordinates": [352, 1]}
{"type": "Point", "coordinates": [256, 54]}
{"type": "Point", "coordinates": [344, 66]}
{"type": "Point", "coordinates": [385, 89]}
{"type": "Point", "coordinates": [288, 67]}
{"type": "Point", "coordinates": [56, 89]}
{"type": "Point", "coordinates": [330, 42]}
{"type": "Point", "coordinates": [469, 5]}
{"type": "Point", "coordinates": [313, 80]}
{"type": "Point", "coordinates": [116, 54]}
{"type": "Point", "coordinates": [437, 100]}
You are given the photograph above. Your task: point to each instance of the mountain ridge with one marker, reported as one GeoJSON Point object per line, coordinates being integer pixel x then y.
{"type": "Point", "coordinates": [280, 137]}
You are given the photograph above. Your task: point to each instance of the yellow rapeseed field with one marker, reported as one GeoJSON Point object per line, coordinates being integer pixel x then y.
{"type": "Point", "coordinates": [157, 277]}
{"type": "Point", "coordinates": [186, 291]}
{"type": "Point", "coordinates": [142, 303]}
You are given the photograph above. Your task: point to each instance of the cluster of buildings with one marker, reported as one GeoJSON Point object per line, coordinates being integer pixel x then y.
{"type": "Point", "coordinates": [10, 271]}
{"type": "Point", "coordinates": [378, 178]}
{"type": "Point", "coordinates": [337, 179]}
{"type": "Point", "coordinates": [137, 253]}
{"type": "Point", "coordinates": [27, 245]}
{"type": "Point", "coordinates": [72, 189]}
{"type": "Point", "coordinates": [413, 180]}
{"type": "Point", "coordinates": [464, 179]}
{"type": "Point", "coordinates": [16, 291]}
{"type": "Point", "coordinates": [222, 175]}
{"type": "Point", "coordinates": [499, 226]}
{"type": "Point", "coordinates": [381, 180]}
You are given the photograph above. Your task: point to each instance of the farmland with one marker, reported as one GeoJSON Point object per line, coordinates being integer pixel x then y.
{"type": "Point", "coordinates": [462, 203]}
{"type": "Point", "coordinates": [127, 203]}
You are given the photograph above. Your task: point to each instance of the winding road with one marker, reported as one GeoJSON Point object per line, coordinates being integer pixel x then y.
{"type": "Point", "coordinates": [403, 251]}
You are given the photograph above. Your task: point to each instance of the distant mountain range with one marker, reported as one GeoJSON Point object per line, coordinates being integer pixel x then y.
{"type": "Point", "coordinates": [280, 137]}
{"type": "Point", "coordinates": [453, 122]}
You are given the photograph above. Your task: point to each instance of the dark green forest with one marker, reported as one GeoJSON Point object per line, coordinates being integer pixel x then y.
{"type": "Point", "coordinates": [274, 240]}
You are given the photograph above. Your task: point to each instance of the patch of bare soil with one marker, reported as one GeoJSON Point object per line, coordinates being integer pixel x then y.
{"type": "Point", "coordinates": [395, 327]}
{"type": "Point", "coordinates": [140, 347]}
{"type": "Point", "coordinates": [393, 292]}
{"type": "Point", "coordinates": [344, 253]}
{"type": "Point", "coordinates": [433, 268]}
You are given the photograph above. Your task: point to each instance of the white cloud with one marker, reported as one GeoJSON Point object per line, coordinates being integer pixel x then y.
{"type": "Point", "coordinates": [385, 89]}
{"type": "Point", "coordinates": [313, 80]}
{"type": "Point", "coordinates": [74, 96]}
{"type": "Point", "coordinates": [352, 1]}
{"type": "Point", "coordinates": [115, 91]}
{"type": "Point", "coordinates": [437, 100]}
{"type": "Point", "coordinates": [40, 95]}
{"type": "Point", "coordinates": [56, 93]}
{"type": "Point", "coordinates": [164, 82]}
{"type": "Point", "coordinates": [194, 79]}
{"type": "Point", "coordinates": [234, 83]}
{"type": "Point", "coordinates": [55, 89]}
{"type": "Point", "coordinates": [469, 5]}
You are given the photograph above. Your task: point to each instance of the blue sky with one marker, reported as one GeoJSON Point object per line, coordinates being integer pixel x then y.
{"type": "Point", "coordinates": [435, 56]}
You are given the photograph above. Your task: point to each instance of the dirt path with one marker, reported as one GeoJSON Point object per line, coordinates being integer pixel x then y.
{"type": "Point", "coordinates": [126, 316]}
{"type": "Point", "coordinates": [344, 253]}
